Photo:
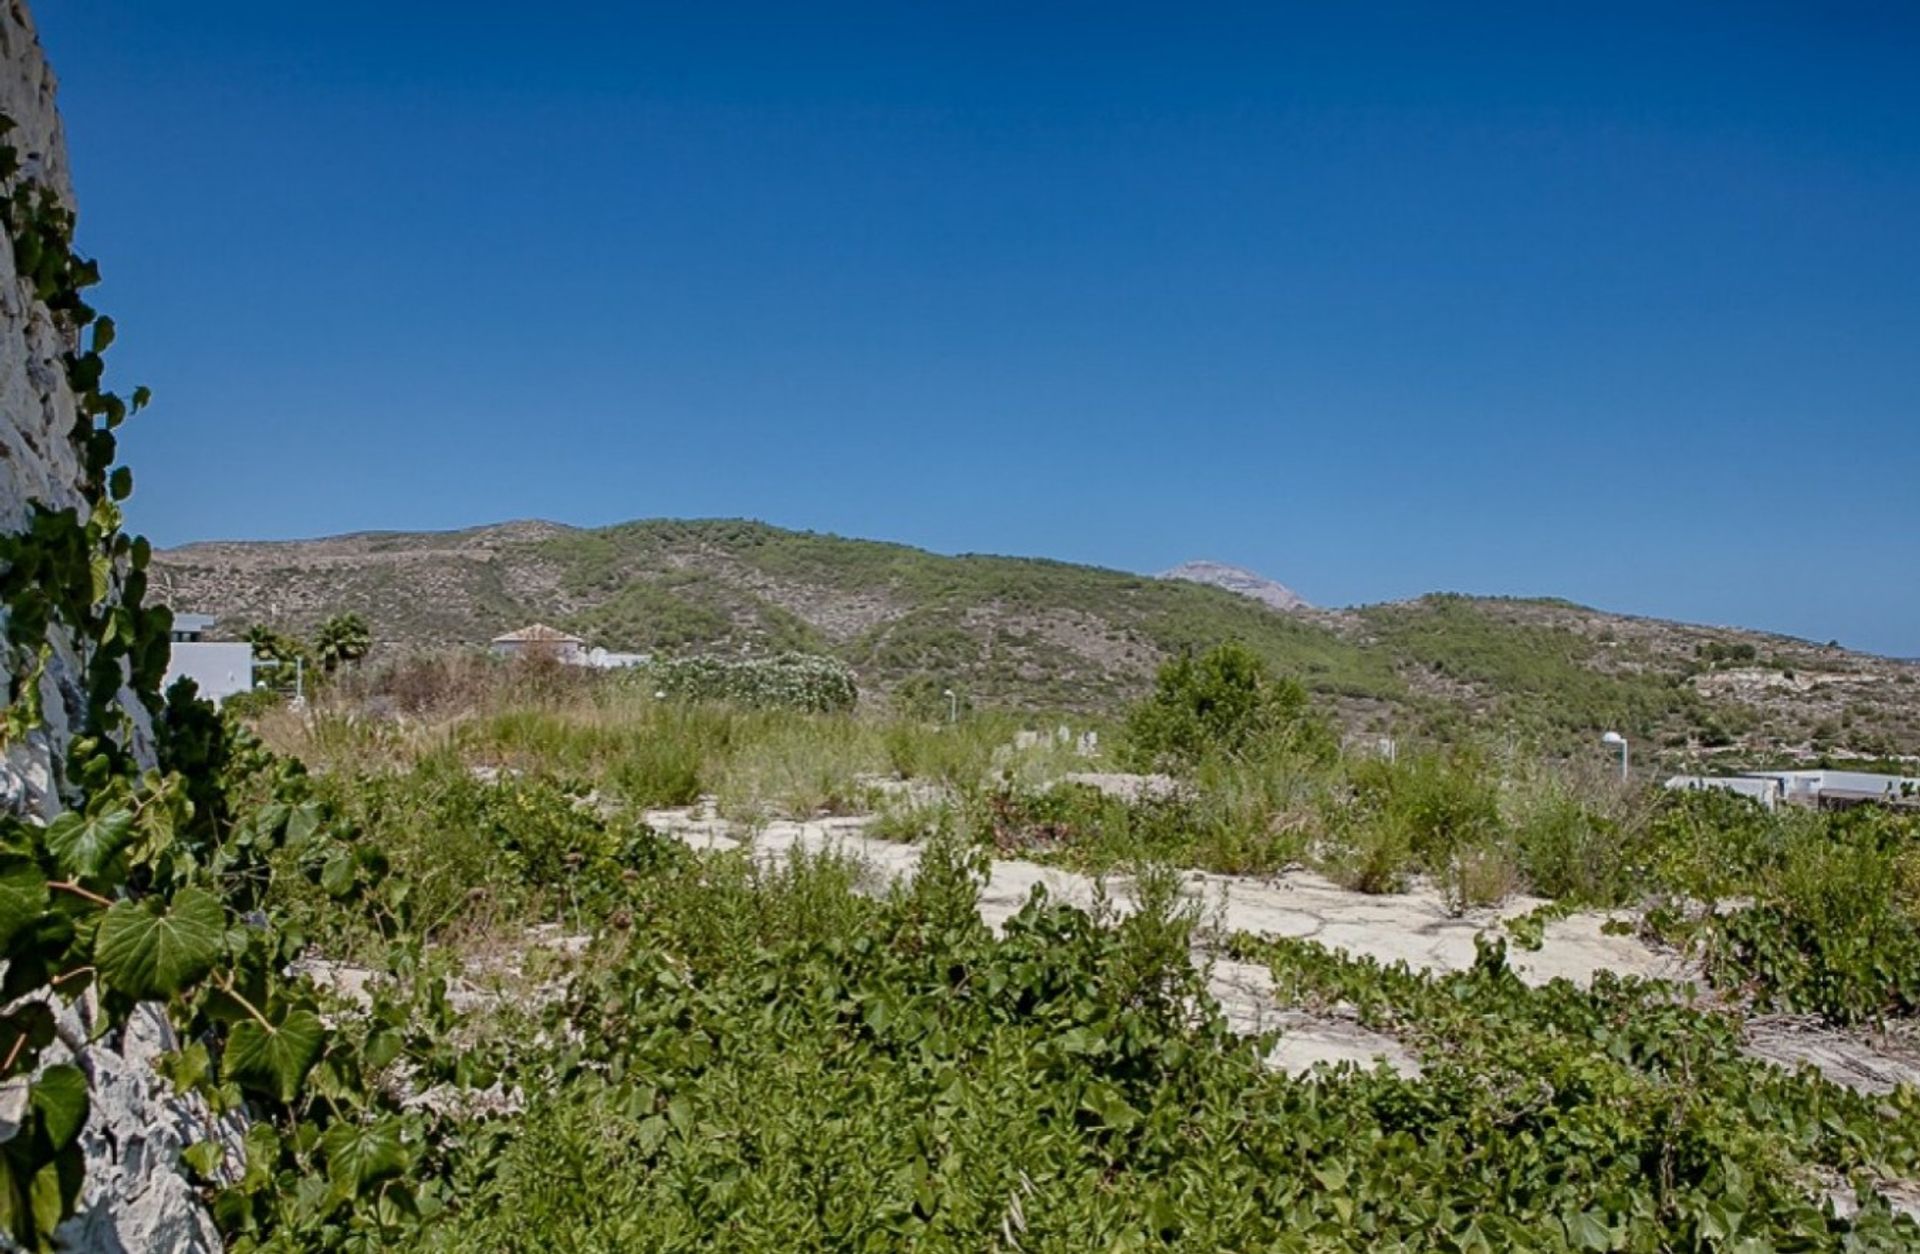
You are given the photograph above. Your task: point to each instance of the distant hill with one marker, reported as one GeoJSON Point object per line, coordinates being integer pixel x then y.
{"type": "Point", "coordinates": [1238, 579]}
{"type": "Point", "coordinates": [1037, 633]}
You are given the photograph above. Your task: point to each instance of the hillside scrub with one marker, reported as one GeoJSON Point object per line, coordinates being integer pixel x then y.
{"type": "Point", "coordinates": [1038, 635]}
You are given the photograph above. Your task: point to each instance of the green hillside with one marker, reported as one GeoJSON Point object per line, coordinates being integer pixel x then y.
{"type": "Point", "coordinates": [1028, 632]}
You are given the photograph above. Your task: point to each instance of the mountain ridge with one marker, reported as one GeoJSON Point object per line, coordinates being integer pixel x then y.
{"type": "Point", "coordinates": [1036, 632]}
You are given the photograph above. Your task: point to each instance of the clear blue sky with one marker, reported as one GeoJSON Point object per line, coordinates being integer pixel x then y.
{"type": "Point", "coordinates": [1613, 302]}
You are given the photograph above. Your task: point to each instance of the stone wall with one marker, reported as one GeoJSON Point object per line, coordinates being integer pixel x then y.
{"type": "Point", "coordinates": [38, 460]}
{"type": "Point", "coordinates": [136, 1197]}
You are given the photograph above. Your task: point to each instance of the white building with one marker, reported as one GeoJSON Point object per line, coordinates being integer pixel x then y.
{"type": "Point", "coordinates": [541, 640]}
{"type": "Point", "coordinates": [1816, 789]}
{"type": "Point", "coordinates": [608, 660]}
{"type": "Point", "coordinates": [218, 668]}
{"type": "Point", "coordinates": [1764, 791]}
{"type": "Point", "coordinates": [191, 626]}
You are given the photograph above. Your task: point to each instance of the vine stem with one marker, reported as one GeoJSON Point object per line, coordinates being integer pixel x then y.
{"type": "Point", "coordinates": [74, 974]}
{"type": "Point", "coordinates": [19, 1042]}
{"type": "Point", "coordinates": [225, 984]}
{"type": "Point", "coordinates": [68, 886]}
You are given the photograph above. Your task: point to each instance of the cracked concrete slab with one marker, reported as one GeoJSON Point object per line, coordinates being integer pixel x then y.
{"type": "Point", "coordinates": [1245, 993]}
{"type": "Point", "coordinates": [1868, 1061]}
{"type": "Point", "coordinates": [1414, 927]}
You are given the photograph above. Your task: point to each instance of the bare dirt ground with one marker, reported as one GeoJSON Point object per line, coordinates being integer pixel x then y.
{"type": "Point", "coordinates": [1413, 927]}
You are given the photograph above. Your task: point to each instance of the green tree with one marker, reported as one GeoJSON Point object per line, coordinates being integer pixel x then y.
{"type": "Point", "coordinates": [1224, 702]}
{"type": "Point", "coordinates": [282, 653]}
{"type": "Point", "coordinates": [341, 639]}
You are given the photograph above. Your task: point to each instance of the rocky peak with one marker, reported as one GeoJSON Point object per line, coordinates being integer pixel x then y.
{"type": "Point", "coordinates": [1240, 580]}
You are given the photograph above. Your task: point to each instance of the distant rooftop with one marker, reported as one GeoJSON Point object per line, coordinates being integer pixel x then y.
{"type": "Point", "coordinates": [538, 633]}
{"type": "Point", "coordinates": [1825, 788]}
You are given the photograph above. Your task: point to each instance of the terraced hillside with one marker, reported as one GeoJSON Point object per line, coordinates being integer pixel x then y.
{"type": "Point", "coordinates": [1031, 632]}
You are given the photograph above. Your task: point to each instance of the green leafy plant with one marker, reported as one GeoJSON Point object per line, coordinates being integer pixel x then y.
{"type": "Point", "coordinates": [341, 639]}
{"type": "Point", "coordinates": [1222, 702]}
{"type": "Point", "coordinates": [795, 681]}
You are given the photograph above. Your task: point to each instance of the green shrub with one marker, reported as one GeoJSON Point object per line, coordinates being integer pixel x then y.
{"type": "Point", "coordinates": [1368, 851]}
{"type": "Point", "coordinates": [1835, 927]}
{"type": "Point", "coordinates": [1566, 850]}
{"type": "Point", "coordinates": [254, 703]}
{"type": "Point", "coordinates": [1426, 811]}
{"type": "Point", "coordinates": [464, 854]}
{"type": "Point", "coordinates": [657, 772]}
{"type": "Point", "coordinates": [793, 681]}
{"type": "Point", "coordinates": [1223, 702]}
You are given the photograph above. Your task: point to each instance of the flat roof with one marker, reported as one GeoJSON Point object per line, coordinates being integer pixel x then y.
{"type": "Point", "coordinates": [538, 633]}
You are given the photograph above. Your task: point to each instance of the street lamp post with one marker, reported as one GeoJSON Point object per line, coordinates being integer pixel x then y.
{"type": "Point", "coordinates": [1615, 738]}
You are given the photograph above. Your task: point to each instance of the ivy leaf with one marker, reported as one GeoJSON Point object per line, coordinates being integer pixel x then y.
{"type": "Point", "coordinates": [1588, 1231]}
{"type": "Point", "coordinates": [651, 1134]}
{"type": "Point", "coordinates": [23, 898]}
{"type": "Point", "coordinates": [120, 485]}
{"type": "Point", "coordinates": [274, 1060]}
{"type": "Point", "coordinates": [205, 1157]}
{"type": "Point", "coordinates": [54, 1190]}
{"type": "Point", "coordinates": [337, 876]}
{"type": "Point", "coordinates": [186, 1068]}
{"type": "Point", "coordinates": [358, 1155]}
{"type": "Point", "coordinates": [26, 1031]}
{"type": "Point", "coordinates": [82, 845]}
{"type": "Point", "coordinates": [302, 822]}
{"type": "Point", "coordinates": [102, 334]}
{"type": "Point", "coordinates": [60, 1097]}
{"type": "Point", "coordinates": [382, 1048]}
{"type": "Point", "coordinates": [146, 950]}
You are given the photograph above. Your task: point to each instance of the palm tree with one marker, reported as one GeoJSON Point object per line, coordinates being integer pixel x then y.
{"type": "Point", "coordinates": [342, 638]}
{"type": "Point", "coordinates": [272, 645]}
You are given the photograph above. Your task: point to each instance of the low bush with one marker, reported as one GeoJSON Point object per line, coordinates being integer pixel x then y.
{"type": "Point", "coordinates": [462, 856]}
{"type": "Point", "coordinates": [1085, 828]}
{"type": "Point", "coordinates": [1835, 926]}
{"type": "Point", "coordinates": [1426, 812]}
{"type": "Point", "coordinates": [1221, 703]}
{"type": "Point", "coordinates": [1567, 849]}
{"type": "Point", "coordinates": [793, 681]}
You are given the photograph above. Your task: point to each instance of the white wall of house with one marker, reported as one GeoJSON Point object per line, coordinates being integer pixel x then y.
{"type": "Point", "coordinates": [570, 651]}
{"type": "Point", "coordinates": [1765, 791]}
{"type": "Point", "coordinates": [607, 660]}
{"type": "Point", "coordinates": [220, 669]}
